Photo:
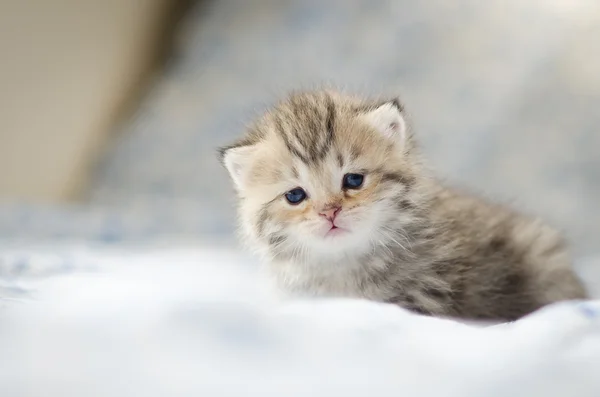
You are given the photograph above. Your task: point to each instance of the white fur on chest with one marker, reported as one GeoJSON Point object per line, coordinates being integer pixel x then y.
{"type": "Point", "coordinates": [328, 278]}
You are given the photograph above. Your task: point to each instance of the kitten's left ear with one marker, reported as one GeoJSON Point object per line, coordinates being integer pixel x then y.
{"type": "Point", "coordinates": [237, 160]}
{"type": "Point", "coordinates": [388, 119]}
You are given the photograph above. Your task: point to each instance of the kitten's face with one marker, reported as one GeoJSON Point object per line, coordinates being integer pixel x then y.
{"type": "Point", "coordinates": [324, 175]}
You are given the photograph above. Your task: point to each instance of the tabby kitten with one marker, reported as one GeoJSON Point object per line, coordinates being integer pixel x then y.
{"type": "Point", "coordinates": [333, 193]}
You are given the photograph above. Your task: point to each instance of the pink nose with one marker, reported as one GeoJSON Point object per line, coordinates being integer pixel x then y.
{"type": "Point", "coordinates": [330, 213]}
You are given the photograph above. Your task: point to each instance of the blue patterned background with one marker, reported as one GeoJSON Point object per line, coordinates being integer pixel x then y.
{"type": "Point", "coordinates": [504, 96]}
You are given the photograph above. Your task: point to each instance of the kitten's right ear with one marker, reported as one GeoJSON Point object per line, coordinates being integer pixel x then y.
{"type": "Point", "coordinates": [237, 160]}
{"type": "Point", "coordinates": [388, 119]}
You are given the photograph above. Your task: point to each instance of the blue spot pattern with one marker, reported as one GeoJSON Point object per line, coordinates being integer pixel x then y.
{"type": "Point", "coordinates": [590, 309]}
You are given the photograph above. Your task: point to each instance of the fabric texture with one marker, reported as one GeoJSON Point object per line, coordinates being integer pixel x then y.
{"type": "Point", "coordinates": [181, 322]}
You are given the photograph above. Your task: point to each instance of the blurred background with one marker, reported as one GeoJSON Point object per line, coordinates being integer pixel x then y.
{"type": "Point", "coordinates": [110, 112]}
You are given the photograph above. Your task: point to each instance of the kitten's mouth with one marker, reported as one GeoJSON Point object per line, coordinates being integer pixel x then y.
{"type": "Point", "coordinates": [335, 231]}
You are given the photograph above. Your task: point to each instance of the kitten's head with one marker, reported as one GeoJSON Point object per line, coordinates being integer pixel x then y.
{"type": "Point", "coordinates": [324, 174]}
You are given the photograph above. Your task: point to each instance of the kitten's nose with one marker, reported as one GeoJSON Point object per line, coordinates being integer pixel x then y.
{"type": "Point", "coordinates": [330, 213]}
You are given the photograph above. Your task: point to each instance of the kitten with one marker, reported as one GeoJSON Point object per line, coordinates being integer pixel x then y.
{"type": "Point", "coordinates": [332, 191]}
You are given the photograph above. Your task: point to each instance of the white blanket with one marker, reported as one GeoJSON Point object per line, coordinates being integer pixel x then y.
{"type": "Point", "coordinates": [175, 322]}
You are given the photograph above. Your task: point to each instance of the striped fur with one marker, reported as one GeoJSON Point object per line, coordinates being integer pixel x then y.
{"type": "Point", "coordinates": [408, 240]}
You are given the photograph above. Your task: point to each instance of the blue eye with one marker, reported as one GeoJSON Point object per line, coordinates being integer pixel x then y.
{"type": "Point", "coordinates": [295, 196]}
{"type": "Point", "coordinates": [352, 181]}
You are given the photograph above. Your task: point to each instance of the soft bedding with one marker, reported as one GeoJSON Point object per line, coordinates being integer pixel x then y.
{"type": "Point", "coordinates": [98, 321]}
{"type": "Point", "coordinates": [137, 221]}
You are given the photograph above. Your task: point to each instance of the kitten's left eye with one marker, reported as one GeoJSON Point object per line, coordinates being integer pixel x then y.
{"type": "Point", "coordinates": [352, 181]}
{"type": "Point", "coordinates": [295, 196]}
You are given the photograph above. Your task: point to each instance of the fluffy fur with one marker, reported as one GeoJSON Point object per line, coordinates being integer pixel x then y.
{"type": "Point", "coordinates": [403, 236]}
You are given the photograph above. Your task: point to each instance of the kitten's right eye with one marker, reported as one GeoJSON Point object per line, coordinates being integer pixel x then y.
{"type": "Point", "coordinates": [352, 181]}
{"type": "Point", "coordinates": [295, 196]}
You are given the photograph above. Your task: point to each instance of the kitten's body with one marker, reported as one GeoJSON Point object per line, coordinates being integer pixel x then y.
{"type": "Point", "coordinates": [402, 236]}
